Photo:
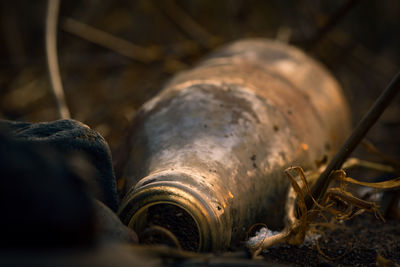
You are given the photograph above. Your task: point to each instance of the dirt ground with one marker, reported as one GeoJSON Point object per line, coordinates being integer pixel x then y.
{"type": "Point", "coordinates": [357, 243]}
{"type": "Point", "coordinates": [358, 41]}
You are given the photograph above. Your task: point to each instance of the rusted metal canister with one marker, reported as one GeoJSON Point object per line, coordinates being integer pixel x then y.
{"type": "Point", "coordinates": [208, 153]}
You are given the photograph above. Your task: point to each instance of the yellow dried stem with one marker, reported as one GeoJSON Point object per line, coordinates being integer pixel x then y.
{"type": "Point", "coordinates": [297, 228]}
{"type": "Point", "coordinates": [393, 183]}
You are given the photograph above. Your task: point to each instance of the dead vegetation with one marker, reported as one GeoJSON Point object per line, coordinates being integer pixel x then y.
{"type": "Point", "coordinates": [115, 55]}
{"type": "Point", "coordinates": [337, 205]}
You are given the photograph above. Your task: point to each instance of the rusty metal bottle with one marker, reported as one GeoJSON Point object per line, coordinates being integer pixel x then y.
{"type": "Point", "coordinates": [208, 153]}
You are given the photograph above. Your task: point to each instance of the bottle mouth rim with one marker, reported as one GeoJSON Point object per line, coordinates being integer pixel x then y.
{"type": "Point", "coordinates": [209, 227]}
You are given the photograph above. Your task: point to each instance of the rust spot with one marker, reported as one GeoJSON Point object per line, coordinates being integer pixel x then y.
{"type": "Point", "coordinates": [327, 146]}
{"type": "Point", "coordinates": [253, 158]}
{"type": "Point", "coordinates": [304, 146]}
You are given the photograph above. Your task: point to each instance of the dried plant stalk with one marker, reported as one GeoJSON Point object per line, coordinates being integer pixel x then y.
{"type": "Point", "coordinates": [301, 225]}
{"type": "Point", "coordinates": [52, 58]}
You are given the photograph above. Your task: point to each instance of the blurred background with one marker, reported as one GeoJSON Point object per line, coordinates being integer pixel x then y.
{"type": "Point", "coordinates": [115, 55]}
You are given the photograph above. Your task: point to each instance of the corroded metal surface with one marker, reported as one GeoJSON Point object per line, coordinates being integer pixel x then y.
{"type": "Point", "coordinates": [216, 140]}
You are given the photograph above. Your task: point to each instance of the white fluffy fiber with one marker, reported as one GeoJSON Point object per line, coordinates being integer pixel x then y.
{"type": "Point", "coordinates": [260, 236]}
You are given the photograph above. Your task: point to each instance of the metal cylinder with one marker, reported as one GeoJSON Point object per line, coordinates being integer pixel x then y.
{"type": "Point", "coordinates": [208, 153]}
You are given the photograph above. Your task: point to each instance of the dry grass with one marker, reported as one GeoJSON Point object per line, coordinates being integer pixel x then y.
{"type": "Point", "coordinates": [337, 204]}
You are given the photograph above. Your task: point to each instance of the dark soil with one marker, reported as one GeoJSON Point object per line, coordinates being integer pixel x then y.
{"type": "Point", "coordinates": [178, 221]}
{"type": "Point", "coordinates": [357, 243]}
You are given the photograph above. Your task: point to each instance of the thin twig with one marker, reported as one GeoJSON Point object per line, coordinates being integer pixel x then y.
{"type": "Point", "coordinates": [53, 7]}
{"type": "Point", "coordinates": [188, 25]}
{"type": "Point", "coordinates": [284, 34]}
{"type": "Point", "coordinates": [369, 146]}
{"type": "Point", "coordinates": [333, 20]}
{"type": "Point", "coordinates": [355, 162]}
{"type": "Point", "coordinates": [12, 34]}
{"type": "Point", "coordinates": [104, 39]}
{"type": "Point", "coordinates": [355, 138]}
{"type": "Point", "coordinates": [356, 53]}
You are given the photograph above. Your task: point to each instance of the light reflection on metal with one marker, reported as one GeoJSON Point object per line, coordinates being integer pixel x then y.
{"type": "Point", "coordinates": [214, 143]}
